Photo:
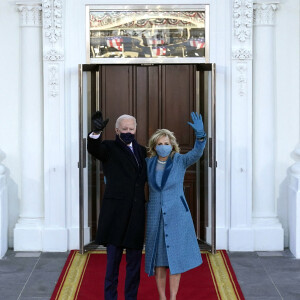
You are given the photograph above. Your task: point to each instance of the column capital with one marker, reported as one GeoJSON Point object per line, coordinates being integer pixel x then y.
{"type": "Point", "coordinates": [264, 12]}
{"type": "Point", "coordinates": [30, 13]}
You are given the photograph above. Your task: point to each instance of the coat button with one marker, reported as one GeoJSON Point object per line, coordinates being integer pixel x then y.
{"type": "Point", "coordinates": [165, 213]}
{"type": "Point", "coordinates": [165, 224]}
{"type": "Point", "coordinates": [168, 246]}
{"type": "Point", "coordinates": [167, 235]}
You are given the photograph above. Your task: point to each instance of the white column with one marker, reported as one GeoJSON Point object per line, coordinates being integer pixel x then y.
{"type": "Point", "coordinates": [75, 21]}
{"type": "Point", "coordinates": [268, 232]}
{"type": "Point", "coordinates": [294, 205]}
{"type": "Point", "coordinates": [28, 230]}
{"type": "Point", "coordinates": [241, 232]}
{"type": "Point", "coordinates": [55, 235]}
{"type": "Point", "coordinates": [3, 212]}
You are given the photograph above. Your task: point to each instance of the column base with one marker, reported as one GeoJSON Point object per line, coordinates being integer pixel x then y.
{"type": "Point", "coordinates": [28, 235]}
{"type": "Point", "coordinates": [74, 237]}
{"type": "Point", "coordinates": [268, 234]}
{"type": "Point", "coordinates": [221, 237]}
{"type": "Point", "coordinates": [241, 239]}
{"type": "Point", "coordinates": [55, 240]}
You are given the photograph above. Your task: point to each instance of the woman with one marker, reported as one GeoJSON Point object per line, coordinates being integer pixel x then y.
{"type": "Point", "coordinates": [170, 235]}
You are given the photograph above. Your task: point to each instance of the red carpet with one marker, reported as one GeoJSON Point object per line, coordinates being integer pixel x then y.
{"type": "Point", "coordinates": [83, 278]}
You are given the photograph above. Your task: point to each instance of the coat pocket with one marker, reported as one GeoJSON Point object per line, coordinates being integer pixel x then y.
{"type": "Point", "coordinates": [184, 203]}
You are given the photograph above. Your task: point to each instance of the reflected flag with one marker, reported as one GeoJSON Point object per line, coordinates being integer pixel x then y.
{"type": "Point", "coordinates": [155, 41]}
{"type": "Point", "coordinates": [159, 51]}
{"type": "Point", "coordinates": [198, 43]}
{"type": "Point", "coordinates": [114, 42]}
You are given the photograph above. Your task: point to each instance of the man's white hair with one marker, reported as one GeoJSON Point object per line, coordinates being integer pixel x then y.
{"type": "Point", "coordinates": [123, 117]}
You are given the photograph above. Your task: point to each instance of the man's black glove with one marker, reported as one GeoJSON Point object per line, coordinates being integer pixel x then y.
{"type": "Point", "coordinates": [98, 122]}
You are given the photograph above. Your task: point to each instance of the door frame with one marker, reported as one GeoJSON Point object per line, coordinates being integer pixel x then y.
{"type": "Point", "coordinates": [211, 139]}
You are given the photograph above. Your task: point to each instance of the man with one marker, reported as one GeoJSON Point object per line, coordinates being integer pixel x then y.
{"type": "Point", "coordinates": [122, 214]}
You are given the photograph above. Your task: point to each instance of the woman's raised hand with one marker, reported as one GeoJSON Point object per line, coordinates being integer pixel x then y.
{"type": "Point", "coordinates": [197, 125]}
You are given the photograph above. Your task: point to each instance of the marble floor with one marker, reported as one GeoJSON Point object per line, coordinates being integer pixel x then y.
{"type": "Point", "coordinates": [262, 275]}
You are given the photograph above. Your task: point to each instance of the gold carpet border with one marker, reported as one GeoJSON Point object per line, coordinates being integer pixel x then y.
{"type": "Point", "coordinates": [212, 275]}
{"type": "Point", "coordinates": [222, 276]}
{"type": "Point", "coordinates": [230, 274]}
{"type": "Point", "coordinates": [65, 275]}
{"type": "Point", "coordinates": [73, 279]}
{"type": "Point", "coordinates": [82, 275]}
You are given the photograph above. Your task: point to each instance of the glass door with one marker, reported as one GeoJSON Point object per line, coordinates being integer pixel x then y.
{"type": "Point", "coordinates": [147, 101]}
{"type": "Point", "coordinates": [206, 167]}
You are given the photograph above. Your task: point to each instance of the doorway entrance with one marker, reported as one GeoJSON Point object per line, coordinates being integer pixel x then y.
{"type": "Point", "coordinates": [159, 96]}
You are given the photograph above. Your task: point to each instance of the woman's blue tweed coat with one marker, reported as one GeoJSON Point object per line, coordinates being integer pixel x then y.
{"type": "Point", "coordinates": [182, 246]}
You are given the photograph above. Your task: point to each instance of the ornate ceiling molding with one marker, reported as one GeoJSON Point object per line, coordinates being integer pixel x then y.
{"type": "Point", "coordinates": [30, 14]}
{"type": "Point", "coordinates": [264, 13]}
{"type": "Point", "coordinates": [242, 18]}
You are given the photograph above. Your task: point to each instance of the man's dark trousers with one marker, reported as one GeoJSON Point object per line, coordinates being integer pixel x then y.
{"type": "Point", "coordinates": [133, 267]}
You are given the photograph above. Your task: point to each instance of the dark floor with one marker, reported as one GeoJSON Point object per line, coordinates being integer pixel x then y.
{"type": "Point", "coordinates": [262, 275]}
{"type": "Point", "coordinates": [267, 275]}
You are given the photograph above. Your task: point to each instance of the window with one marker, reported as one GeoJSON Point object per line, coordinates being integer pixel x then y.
{"type": "Point", "coordinates": [147, 34]}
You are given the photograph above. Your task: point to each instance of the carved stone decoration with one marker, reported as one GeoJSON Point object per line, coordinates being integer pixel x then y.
{"type": "Point", "coordinates": [242, 16]}
{"type": "Point", "coordinates": [242, 53]}
{"type": "Point", "coordinates": [53, 80]}
{"type": "Point", "coordinates": [53, 55]}
{"type": "Point", "coordinates": [52, 19]}
{"type": "Point", "coordinates": [30, 15]}
{"type": "Point", "coordinates": [52, 46]}
{"type": "Point", "coordinates": [264, 13]}
{"type": "Point", "coordinates": [242, 78]}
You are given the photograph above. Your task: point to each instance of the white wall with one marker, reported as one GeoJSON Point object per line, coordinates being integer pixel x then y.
{"type": "Point", "coordinates": [9, 106]}
{"type": "Point", "coordinates": [288, 99]}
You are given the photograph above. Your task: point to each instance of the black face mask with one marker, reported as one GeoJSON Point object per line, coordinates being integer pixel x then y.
{"type": "Point", "coordinates": [127, 137]}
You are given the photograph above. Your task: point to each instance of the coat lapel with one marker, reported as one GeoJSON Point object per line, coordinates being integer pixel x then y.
{"type": "Point", "coordinates": [167, 171]}
{"type": "Point", "coordinates": [128, 153]}
{"type": "Point", "coordinates": [152, 173]}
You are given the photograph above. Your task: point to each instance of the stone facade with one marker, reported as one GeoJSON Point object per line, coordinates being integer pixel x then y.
{"type": "Point", "coordinates": [253, 185]}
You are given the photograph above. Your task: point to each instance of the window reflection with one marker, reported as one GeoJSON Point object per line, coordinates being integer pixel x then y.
{"type": "Point", "coordinates": [148, 34]}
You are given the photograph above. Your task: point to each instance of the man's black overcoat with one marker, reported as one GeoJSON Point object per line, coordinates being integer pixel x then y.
{"type": "Point", "coordinates": [122, 213]}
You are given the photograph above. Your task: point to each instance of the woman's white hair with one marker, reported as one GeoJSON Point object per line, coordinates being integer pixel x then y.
{"type": "Point", "coordinates": [123, 117]}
